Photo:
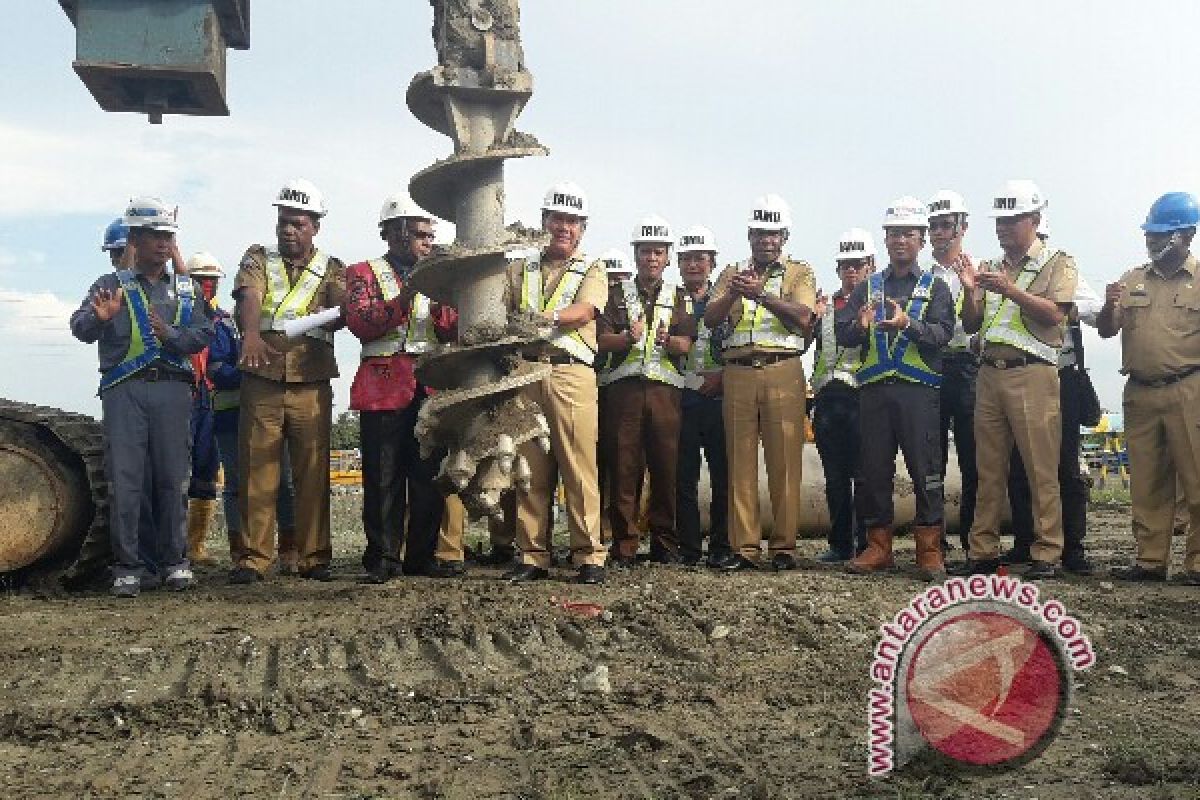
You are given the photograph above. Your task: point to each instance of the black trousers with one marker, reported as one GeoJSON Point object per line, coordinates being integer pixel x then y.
{"type": "Point", "coordinates": [958, 415]}
{"type": "Point", "coordinates": [905, 416]}
{"type": "Point", "coordinates": [836, 429]}
{"type": "Point", "coordinates": [702, 428]}
{"type": "Point", "coordinates": [1073, 486]}
{"type": "Point", "coordinates": [398, 492]}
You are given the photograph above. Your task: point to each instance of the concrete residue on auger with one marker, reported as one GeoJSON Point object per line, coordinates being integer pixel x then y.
{"type": "Point", "coordinates": [474, 96]}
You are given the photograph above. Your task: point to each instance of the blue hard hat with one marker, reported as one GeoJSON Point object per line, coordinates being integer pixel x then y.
{"type": "Point", "coordinates": [1172, 212]}
{"type": "Point", "coordinates": [115, 235]}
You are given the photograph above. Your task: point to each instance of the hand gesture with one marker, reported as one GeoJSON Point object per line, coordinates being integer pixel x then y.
{"type": "Point", "coordinates": [660, 335]}
{"type": "Point", "coordinates": [997, 282]}
{"type": "Point", "coordinates": [177, 259]}
{"type": "Point", "coordinates": [866, 315]}
{"type": "Point", "coordinates": [748, 284]}
{"type": "Point", "coordinates": [255, 351]}
{"type": "Point", "coordinates": [636, 329]}
{"type": "Point", "coordinates": [161, 329]}
{"type": "Point", "coordinates": [821, 305]}
{"type": "Point", "coordinates": [1112, 294]}
{"type": "Point", "coordinates": [966, 271]}
{"type": "Point", "coordinates": [898, 320]}
{"type": "Point", "coordinates": [129, 256]}
{"type": "Point", "coordinates": [106, 304]}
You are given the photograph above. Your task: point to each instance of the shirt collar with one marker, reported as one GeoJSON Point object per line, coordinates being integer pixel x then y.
{"type": "Point", "coordinates": [1189, 266]}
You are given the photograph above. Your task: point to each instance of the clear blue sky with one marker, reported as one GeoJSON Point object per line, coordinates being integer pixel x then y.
{"type": "Point", "coordinates": [686, 109]}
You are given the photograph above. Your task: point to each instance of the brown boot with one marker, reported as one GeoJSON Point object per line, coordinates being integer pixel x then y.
{"type": "Point", "coordinates": [929, 552]}
{"type": "Point", "coordinates": [877, 556]}
{"type": "Point", "coordinates": [199, 520]}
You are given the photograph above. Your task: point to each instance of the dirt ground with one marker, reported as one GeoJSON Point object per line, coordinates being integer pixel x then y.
{"type": "Point", "coordinates": [747, 685]}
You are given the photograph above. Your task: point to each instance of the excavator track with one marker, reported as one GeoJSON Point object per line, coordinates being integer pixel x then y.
{"type": "Point", "coordinates": [60, 456]}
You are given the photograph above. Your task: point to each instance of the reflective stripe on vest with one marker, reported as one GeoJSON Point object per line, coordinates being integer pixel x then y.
{"type": "Point", "coordinates": [900, 359]}
{"type": "Point", "coordinates": [845, 360]}
{"type": "Point", "coordinates": [759, 326]}
{"type": "Point", "coordinates": [700, 357]}
{"type": "Point", "coordinates": [1002, 323]}
{"type": "Point", "coordinates": [144, 346]}
{"type": "Point", "coordinates": [961, 339]}
{"type": "Point", "coordinates": [285, 301]}
{"type": "Point", "coordinates": [645, 358]}
{"type": "Point", "coordinates": [564, 295]}
{"type": "Point", "coordinates": [415, 335]}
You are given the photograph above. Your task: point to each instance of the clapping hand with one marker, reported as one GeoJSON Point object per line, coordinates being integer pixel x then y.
{"type": "Point", "coordinates": [107, 303]}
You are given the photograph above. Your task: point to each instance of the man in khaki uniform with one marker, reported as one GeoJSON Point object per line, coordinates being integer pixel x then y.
{"type": "Point", "coordinates": [767, 303]}
{"type": "Point", "coordinates": [564, 288]}
{"type": "Point", "coordinates": [646, 331]}
{"type": "Point", "coordinates": [1021, 325]}
{"type": "Point", "coordinates": [285, 392]}
{"type": "Point", "coordinates": [1156, 308]}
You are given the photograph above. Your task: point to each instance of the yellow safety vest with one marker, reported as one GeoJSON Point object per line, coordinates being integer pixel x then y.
{"type": "Point", "coordinates": [144, 347]}
{"type": "Point", "coordinates": [532, 299]}
{"type": "Point", "coordinates": [901, 359]}
{"type": "Point", "coordinates": [285, 301]}
{"type": "Point", "coordinates": [645, 358]}
{"type": "Point", "coordinates": [758, 325]}
{"type": "Point", "coordinates": [1002, 322]}
{"type": "Point", "coordinates": [700, 358]}
{"type": "Point", "coordinates": [415, 336]}
{"type": "Point", "coordinates": [834, 362]}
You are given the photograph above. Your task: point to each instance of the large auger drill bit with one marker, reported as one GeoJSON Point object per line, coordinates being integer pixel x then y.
{"type": "Point", "coordinates": [474, 96]}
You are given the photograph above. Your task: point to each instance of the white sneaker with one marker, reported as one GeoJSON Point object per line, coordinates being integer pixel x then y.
{"type": "Point", "coordinates": [179, 579]}
{"type": "Point", "coordinates": [127, 586]}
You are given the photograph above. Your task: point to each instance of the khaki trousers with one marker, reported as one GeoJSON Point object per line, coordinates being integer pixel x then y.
{"type": "Point", "coordinates": [301, 414]}
{"type": "Point", "coordinates": [764, 404]}
{"type": "Point", "coordinates": [1162, 432]}
{"type": "Point", "coordinates": [568, 399]}
{"type": "Point", "coordinates": [450, 534]}
{"type": "Point", "coordinates": [1020, 406]}
{"type": "Point", "coordinates": [642, 427]}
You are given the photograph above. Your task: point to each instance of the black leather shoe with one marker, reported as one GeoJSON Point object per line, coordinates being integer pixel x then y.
{"type": "Point", "coordinates": [1040, 571]}
{"type": "Point", "coordinates": [696, 560]}
{"type": "Point", "coordinates": [497, 557]}
{"type": "Point", "coordinates": [1189, 579]}
{"type": "Point", "coordinates": [1077, 565]}
{"type": "Point", "coordinates": [983, 566]}
{"type": "Point", "coordinates": [1016, 555]}
{"type": "Point", "coordinates": [1140, 574]}
{"type": "Point", "coordinates": [622, 562]}
{"type": "Point", "coordinates": [832, 556]}
{"type": "Point", "coordinates": [322, 574]}
{"type": "Point", "coordinates": [380, 573]}
{"type": "Point", "coordinates": [719, 560]}
{"type": "Point", "coordinates": [526, 572]}
{"type": "Point", "coordinates": [592, 574]}
{"type": "Point", "coordinates": [738, 563]}
{"type": "Point", "coordinates": [782, 562]}
{"type": "Point", "coordinates": [666, 557]}
{"type": "Point", "coordinates": [244, 575]}
{"type": "Point", "coordinates": [445, 569]}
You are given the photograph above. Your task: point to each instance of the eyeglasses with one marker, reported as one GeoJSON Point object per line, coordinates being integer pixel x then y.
{"type": "Point", "coordinates": [426, 236]}
{"type": "Point", "coordinates": [759, 234]}
{"type": "Point", "coordinates": [855, 265]}
{"type": "Point", "coordinates": [937, 223]}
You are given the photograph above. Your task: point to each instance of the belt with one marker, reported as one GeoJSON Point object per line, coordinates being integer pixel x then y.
{"type": "Point", "coordinates": [1014, 363]}
{"type": "Point", "coordinates": [760, 361]}
{"type": "Point", "coordinates": [153, 374]}
{"type": "Point", "coordinates": [1158, 383]}
{"type": "Point", "coordinates": [558, 361]}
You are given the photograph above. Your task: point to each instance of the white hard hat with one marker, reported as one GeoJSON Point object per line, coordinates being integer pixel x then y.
{"type": "Point", "coordinates": [401, 206]}
{"type": "Point", "coordinates": [149, 212]}
{"type": "Point", "coordinates": [614, 262]}
{"type": "Point", "coordinates": [770, 213]}
{"type": "Point", "coordinates": [652, 230]}
{"type": "Point", "coordinates": [906, 212]}
{"type": "Point", "coordinates": [204, 265]}
{"type": "Point", "coordinates": [697, 239]}
{"type": "Point", "coordinates": [947, 201]}
{"type": "Point", "coordinates": [854, 244]}
{"type": "Point", "coordinates": [301, 195]}
{"type": "Point", "coordinates": [567, 198]}
{"type": "Point", "coordinates": [1017, 197]}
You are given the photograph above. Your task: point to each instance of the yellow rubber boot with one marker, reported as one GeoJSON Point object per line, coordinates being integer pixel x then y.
{"type": "Point", "coordinates": [199, 520]}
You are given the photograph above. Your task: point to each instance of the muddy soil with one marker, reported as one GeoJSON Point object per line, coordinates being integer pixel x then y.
{"type": "Point", "coordinates": [747, 685]}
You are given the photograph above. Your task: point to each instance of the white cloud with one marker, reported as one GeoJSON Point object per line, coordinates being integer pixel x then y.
{"type": "Point", "coordinates": [44, 363]}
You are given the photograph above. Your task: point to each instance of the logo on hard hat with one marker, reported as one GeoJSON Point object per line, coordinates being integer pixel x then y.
{"type": "Point", "coordinates": [761, 215]}
{"type": "Point", "coordinates": [690, 240]}
{"type": "Point", "coordinates": [849, 247]}
{"type": "Point", "coordinates": [294, 196]}
{"type": "Point", "coordinates": [1005, 204]}
{"type": "Point", "coordinates": [568, 200]}
{"type": "Point", "coordinates": [939, 205]}
{"type": "Point", "coordinates": [654, 230]}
